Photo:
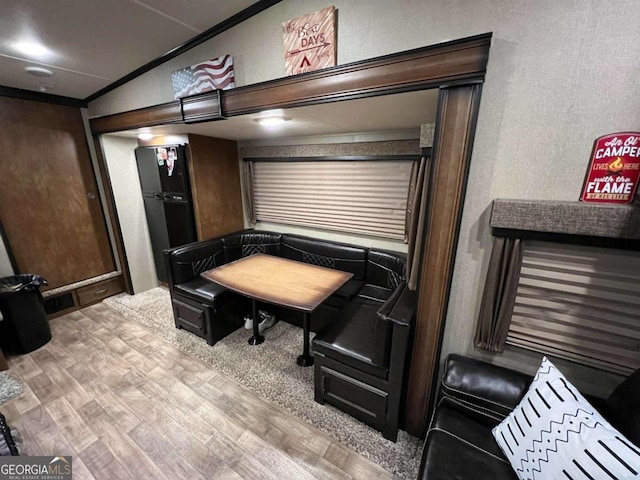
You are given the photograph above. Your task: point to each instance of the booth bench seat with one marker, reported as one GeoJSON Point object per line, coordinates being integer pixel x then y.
{"type": "Point", "coordinates": [360, 361]}
{"type": "Point", "coordinates": [212, 312]}
{"type": "Point", "coordinates": [364, 328]}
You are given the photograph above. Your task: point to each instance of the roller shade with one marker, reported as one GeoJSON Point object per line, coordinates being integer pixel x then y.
{"type": "Point", "coordinates": [358, 196]}
{"type": "Point", "coordinates": [579, 303]}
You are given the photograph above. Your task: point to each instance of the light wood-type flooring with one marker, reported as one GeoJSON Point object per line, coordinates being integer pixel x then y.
{"type": "Point", "coordinates": [128, 405]}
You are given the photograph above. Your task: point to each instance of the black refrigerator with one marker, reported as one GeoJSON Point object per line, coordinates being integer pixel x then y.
{"type": "Point", "coordinates": [167, 199]}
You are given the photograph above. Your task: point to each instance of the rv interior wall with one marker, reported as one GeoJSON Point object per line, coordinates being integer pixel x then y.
{"type": "Point", "coordinates": [542, 105]}
{"type": "Point", "coordinates": [121, 164]}
{"type": "Point", "coordinates": [5, 264]}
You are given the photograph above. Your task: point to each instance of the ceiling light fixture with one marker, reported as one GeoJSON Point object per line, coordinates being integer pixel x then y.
{"type": "Point", "coordinates": [145, 136]}
{"type": "Point", "coordinates": [271, 121]}
{"type": "Point", "coordinates": [32, 49]}
{"type": "Point", "coordinates": [38, 71]}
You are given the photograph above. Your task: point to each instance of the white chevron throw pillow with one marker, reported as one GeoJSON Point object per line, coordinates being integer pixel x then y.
{"type": "Point", "coordinates": [554, 433]}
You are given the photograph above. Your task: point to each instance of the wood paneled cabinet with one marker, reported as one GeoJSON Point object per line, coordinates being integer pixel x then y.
{"type": "Point", "coordinates": [49, 201]}
{"type": "Point", "coordinates": [214, 173]}
{"type": "Point", "coordinates": [69, 300]}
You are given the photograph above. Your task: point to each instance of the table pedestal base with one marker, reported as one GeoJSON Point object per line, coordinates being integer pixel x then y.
{"type": "Point", "coordinates": [305, 360]}
{"type": "Point", "coordinates": [257, 339]}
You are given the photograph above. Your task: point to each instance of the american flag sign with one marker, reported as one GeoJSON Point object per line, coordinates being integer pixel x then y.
{"type": "Point", "coordinates": [216, 74]}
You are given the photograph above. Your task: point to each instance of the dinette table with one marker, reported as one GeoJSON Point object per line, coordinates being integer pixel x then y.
{"type": "Point", "coordinates": [280, 281]}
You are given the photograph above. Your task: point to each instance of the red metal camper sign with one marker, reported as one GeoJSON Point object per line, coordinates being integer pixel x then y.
{"type": "Point", "coordinates": [614, 169]}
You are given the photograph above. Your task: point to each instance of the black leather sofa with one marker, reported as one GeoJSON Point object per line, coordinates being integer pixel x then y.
{"type": "Point", "coordinates": [474, 397]}
{"type": "Point", "coordinates": [364, 328]}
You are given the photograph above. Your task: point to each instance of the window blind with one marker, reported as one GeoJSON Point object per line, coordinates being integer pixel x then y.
{"type": "Point", "coordinates": [358, 196]}
{"type": "Point", "coordinates": [580, 303]}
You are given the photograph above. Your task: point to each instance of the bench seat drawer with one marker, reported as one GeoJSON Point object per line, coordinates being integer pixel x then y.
{"type": "Point", "coordinates": [360, 400]}
{"type": "Point", "coordinates": [191, 317]}
{"type": "Point", "coordinates": [97, 291]}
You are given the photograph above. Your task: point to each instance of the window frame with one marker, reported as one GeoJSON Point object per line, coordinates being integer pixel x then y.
{"type": "Point", "coordinates": [338, 226]}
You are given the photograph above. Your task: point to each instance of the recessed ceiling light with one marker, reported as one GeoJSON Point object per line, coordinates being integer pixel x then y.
{"type": "Point", "coordinates": [32, 49]}
{"type": "Point", "coordinates": [271, 121]}
{"type": "Point", "coordinates": [145, 136]}
{"type": "Point", "coordinates": [39, 71]}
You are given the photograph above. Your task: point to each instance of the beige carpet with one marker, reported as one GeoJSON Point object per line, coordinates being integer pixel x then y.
{"type": "Point", "coordinates": [9, 387]}
{"type": "Point", "coordinates": [270, 370]}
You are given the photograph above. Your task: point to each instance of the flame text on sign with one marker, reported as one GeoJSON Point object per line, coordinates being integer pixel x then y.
{"type": "Point", "coordinates": [614, 170]}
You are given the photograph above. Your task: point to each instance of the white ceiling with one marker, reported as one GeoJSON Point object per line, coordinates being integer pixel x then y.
{"type": "Point", "coordinates": [92, 43]}
{"type": "Point", "coordinates": [400, 114]}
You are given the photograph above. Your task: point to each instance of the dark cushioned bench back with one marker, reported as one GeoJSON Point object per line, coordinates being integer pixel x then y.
{"type": "Point", "coordinates": [386, 269]}
{"type": "Point", "coordinates": [347, 258]}
{"type": "Point", "coordinates": [190, 260]}
{"type": "Point", "coordinates": [239, 245]}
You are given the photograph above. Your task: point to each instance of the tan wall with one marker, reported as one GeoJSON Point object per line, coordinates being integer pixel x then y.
{"type": "Point", "coordinates": [121, 163]}
{"type": "Point", "coordinates": [5, 264]}
{"type": "Point", "coordinates": [560, 73]}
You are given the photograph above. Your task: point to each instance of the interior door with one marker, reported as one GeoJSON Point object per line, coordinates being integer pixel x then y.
{"type": "Point", "coordinates": [147, 164]}
{"type": "Point", "coordinates": [49, 202]}
{"type": "Point", "coordinates": [157, 222]}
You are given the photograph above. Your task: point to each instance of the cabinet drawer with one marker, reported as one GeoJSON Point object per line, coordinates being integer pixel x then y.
{"type": "Point", "coordinates": [98, 291]}
{"type": "Point", "coordinates": [360, 400]}
{"type": "Point", "coordinates": [190, 317]}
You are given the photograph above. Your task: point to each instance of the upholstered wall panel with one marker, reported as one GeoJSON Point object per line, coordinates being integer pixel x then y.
{"type": "Point", "coordinates": [571, 218]}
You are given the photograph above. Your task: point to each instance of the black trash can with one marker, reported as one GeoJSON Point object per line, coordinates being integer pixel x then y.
{"type": "Point", "coordinates": [24, 327]}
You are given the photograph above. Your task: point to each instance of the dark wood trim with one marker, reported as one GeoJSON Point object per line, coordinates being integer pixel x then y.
{"type": "Point", "coordinates": [460, 67]}
{"type": "Point", "coordinates": [456, 120]}
{"type": "Point", "coordinates": [458, 61]}
{"type": "Point", "coordinates": [239, 17]}
{"type": "Point", "coordinates": [338, 158]}
{"type": "Point", "coordinates": [418, 69]}
{"type": "Point", "coordinates": [163, 114]}
{"type": "Point", "coordinates": [113, 215]}
{"type": "Point", "coordinates": [41, 97]}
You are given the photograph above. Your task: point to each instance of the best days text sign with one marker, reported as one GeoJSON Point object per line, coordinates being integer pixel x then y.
{"type": "Point", "coordinates": [309, 42]}
{"type": "Point", "coordinates": [614, 169]}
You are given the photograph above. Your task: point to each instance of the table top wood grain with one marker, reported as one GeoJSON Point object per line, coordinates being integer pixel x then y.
{"type": "Point", "coordinates": [293, 284]}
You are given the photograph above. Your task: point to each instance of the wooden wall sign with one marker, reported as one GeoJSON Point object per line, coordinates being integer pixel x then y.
{"type": "Point", "coordinates": [614, 170]}
{"type": "Point", "coordinates": [310, 42]}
